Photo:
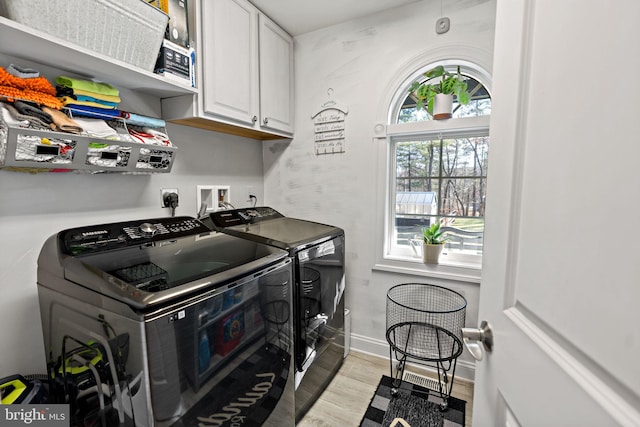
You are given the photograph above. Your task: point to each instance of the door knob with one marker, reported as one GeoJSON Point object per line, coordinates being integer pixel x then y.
{"type": "Point", "coordinates": [472, 337]}
{"type": "Point", "coordinates": [254, 119]}
{"type": "Point", "coordinates": [266, 120]}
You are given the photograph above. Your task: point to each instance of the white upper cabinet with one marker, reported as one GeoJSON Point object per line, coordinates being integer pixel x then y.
{"type": "Point", "coordinates": [276, 76]}
{"type": "Point", "coordinates": [244, 73]}
{"type": "Point", "coordinates": [230, 60]}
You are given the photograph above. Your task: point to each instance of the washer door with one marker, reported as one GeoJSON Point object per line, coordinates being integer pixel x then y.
{"type": "Point", "coordinates": [226, 355]}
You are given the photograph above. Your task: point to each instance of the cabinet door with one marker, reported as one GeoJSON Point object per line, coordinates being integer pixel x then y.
{"type": "Point", "coordinates": [230, 66]}
{"type": "Point", "coordinates": [276, 77]}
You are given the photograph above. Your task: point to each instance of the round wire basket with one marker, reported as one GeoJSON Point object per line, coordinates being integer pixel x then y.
{"type": "Point", "coordinates": [425, 321]}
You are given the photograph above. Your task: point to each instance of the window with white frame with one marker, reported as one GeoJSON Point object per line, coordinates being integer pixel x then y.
{"type": "Point", "coordinates": [438, 172]}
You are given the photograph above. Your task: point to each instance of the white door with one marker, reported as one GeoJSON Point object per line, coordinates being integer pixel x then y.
{"type": "Point", "coordinates": [561, 274]}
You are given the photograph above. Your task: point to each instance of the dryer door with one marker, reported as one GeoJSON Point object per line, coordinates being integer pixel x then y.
{"type": "Point", "coordinates": [320, 307]}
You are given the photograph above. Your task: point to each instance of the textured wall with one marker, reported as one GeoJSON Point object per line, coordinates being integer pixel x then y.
{"type": "Point", "coordinates": [33, 207]}
{"type": "Point", "coordinates": [361, 61]}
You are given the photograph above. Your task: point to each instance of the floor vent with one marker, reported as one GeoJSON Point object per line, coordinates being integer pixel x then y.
{"type": "Point", "coordinates": [423, 381]}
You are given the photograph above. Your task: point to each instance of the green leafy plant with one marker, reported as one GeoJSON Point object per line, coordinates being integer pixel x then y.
{"type": "Point", "coordinates": [433, 235]}
{"type": "Point", "coordinates": [449, 83]}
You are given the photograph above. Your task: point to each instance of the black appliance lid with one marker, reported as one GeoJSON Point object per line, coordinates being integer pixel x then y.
{"type": "Point", "coordinates": [146, 263]}
{"type": "Point", "coordinates": [265, 225]}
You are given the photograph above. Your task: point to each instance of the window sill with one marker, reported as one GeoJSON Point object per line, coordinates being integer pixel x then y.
{"type": "Point", "coordinates": [460, 272]}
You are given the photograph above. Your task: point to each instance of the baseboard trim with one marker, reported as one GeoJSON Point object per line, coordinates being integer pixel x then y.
{"type": "Point", "coordinates": [375, 347]}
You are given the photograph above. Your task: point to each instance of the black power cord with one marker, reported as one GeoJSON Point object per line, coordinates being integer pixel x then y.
{"type": "Point", "coordinates": [171, 201]}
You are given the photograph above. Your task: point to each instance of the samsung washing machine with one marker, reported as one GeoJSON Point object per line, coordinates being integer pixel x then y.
{"type": "Point", "coordinates": [164, 323]}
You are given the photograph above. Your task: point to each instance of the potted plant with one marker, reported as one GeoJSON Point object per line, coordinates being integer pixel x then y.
{"type": "Point", "coordinates": [432, 243]}
{"type": "Point", "coordinates": [438, 96]}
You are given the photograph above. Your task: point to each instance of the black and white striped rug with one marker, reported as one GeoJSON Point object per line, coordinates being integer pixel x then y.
{"type": "Point", "coordinates": [416, 405]}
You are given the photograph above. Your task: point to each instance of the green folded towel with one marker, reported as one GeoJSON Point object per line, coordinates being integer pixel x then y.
{"type": "Point", "coordinates": [88, 85]}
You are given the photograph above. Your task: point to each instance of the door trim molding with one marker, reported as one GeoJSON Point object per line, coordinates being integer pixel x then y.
{"type": "Point", "coordinates": [611, 395]}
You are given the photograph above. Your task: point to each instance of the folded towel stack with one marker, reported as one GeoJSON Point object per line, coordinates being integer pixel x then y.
{"type": "Point", "coordinates": [92, 108]}
{"type": "Point", "coordinates": [35, 89]}
{"type": "Point", "coordinates": [88, 98]}
{"type": "Point", "coordinates": [33, 101]}
{"type": "Point", "coordinates": [11, 116]}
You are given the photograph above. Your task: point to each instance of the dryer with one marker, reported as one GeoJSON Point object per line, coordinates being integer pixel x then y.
{"type": "Point", "coordinates": [317, 252]}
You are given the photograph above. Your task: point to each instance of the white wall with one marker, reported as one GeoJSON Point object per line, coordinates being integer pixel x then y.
{"type": "Point", "coordinates": [359, 60]}
{"type": "Point", "coordinates": [33, 207]}
{"type": "Point", "coordinates": [363, 61]}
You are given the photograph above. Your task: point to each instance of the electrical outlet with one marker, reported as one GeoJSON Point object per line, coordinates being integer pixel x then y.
{"type": "Point", "coordinates": [251, 198]}
{"type": "Point", "coordinates": [165, 192]}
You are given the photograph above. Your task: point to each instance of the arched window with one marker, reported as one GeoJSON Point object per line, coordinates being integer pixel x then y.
{"type": "Point", "coordinates": [479, 105]}
{"type": "Point", "coordinates": [438, 171]}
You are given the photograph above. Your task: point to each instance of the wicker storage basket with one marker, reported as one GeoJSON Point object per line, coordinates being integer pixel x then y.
{"type": "Point", "coordinates": [128, 30]}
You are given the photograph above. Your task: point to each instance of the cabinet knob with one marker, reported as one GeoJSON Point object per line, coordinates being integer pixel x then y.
{"type": "Point", "coordinates": [266, 120]}
{"type": "Point", "coordinates": [254, 119]}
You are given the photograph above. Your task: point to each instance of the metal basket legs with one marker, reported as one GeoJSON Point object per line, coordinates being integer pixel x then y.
{"type": "Point", "coordinates": [445, 368]}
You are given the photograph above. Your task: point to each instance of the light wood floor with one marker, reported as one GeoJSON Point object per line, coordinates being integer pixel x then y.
{"type": "Point", "coordinates": [347, 397]}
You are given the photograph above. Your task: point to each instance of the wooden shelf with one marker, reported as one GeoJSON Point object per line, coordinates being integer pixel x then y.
{"type": "Point", "coordinates": [27, 43]}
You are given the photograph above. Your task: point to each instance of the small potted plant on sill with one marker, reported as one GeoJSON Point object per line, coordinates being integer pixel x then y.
{"type": "Point", "coordinates": [438, 96]}
{"type": "Point", "coordinates": [432, 243]}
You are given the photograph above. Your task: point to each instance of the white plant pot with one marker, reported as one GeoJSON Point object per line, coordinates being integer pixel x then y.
{"type": "Point", "coordinates": [442, 106]}
{"type": "Point", "coordinates": [431, 253]}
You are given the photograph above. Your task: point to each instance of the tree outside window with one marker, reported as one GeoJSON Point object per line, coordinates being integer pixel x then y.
{"type": "Point", "coordinates": [441, 176]}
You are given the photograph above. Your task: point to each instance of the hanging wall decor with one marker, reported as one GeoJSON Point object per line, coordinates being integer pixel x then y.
{"type": "Point", "coordinates": [328, 126]}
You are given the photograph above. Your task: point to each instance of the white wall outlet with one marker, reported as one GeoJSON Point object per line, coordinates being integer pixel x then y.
{"type": "Point", "coordinates": [251, 197]}
{"type": "Point", "coordinates": [163, 193]}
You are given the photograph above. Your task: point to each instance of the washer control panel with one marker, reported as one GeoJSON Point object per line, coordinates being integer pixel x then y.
{"type": "Point", "coordinates": [98, 238]}
{"type": "Point", "coordinates": [229, 218]}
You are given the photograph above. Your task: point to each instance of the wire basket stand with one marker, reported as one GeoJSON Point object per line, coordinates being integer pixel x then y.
{"type": "Point", "coordinates": [424, 326]}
